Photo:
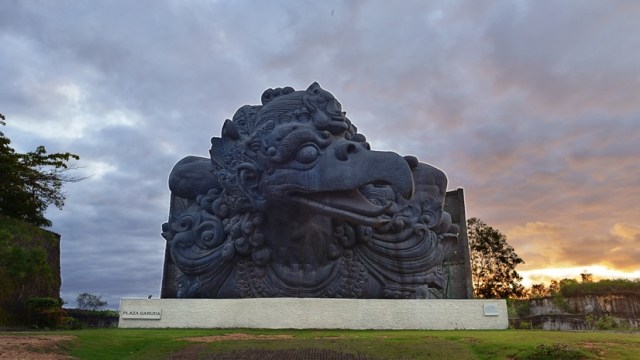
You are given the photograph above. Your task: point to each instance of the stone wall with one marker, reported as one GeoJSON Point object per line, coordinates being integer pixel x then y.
{"type": "Point", "coordinates": [313, 313]}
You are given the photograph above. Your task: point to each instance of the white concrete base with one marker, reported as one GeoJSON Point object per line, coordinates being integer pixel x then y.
{"type": "Point", "coordinates": [306, 313]}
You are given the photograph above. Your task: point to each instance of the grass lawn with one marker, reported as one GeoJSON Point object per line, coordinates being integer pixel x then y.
{"type": "Point", "coordinates": [458, 345]}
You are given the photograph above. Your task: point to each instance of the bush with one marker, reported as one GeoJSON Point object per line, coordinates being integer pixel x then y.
{"type": "Point", "coordinates": [71, 323]}
{"type": "Point", "coordinates": [555, 351]}
{"type": "Point", "coordinates": [520, 324]}
{"type": "Point", "coordinates": [606, 323]}
{"type": "Point", "coordinates": [93, 319]}
{"type": "Point", "coordinates": [518, 308]}
{"type": "Point", "coordinates": [45, 312]}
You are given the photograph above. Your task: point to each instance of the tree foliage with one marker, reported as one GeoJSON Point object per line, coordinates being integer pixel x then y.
{"type": "Point", "coordinates": [540, 290]}
{"type": "Point", "coordinates": [493, 262]}
{"type": "Point", "coordinates": [32, 181]}
{"type": "Point", "coordinates": [88, 301]}
{"type": "Point", "coordinates": [586, 277]}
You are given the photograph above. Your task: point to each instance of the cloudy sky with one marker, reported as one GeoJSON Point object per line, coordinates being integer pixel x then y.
{"type": "Point", "coordinates": [533, 107]}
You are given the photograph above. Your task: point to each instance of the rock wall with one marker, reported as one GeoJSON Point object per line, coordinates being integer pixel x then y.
{"type": "Point", "coordinates": [584, 312]}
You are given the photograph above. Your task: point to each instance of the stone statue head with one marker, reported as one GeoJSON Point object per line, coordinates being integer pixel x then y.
{"type": "Point", "coordinates": [297, 204]}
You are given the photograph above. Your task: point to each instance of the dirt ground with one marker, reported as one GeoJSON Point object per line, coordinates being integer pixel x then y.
{"type": "Point", "coordinates": [33, 347]}
{"type": "Point", "coordinates": [237, 336]}
{"type": "Point", "coordinates": [199, 351]}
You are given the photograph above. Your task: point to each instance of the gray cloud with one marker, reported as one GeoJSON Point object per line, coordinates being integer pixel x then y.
{"type": "Point", "coordinates": [532, 107]}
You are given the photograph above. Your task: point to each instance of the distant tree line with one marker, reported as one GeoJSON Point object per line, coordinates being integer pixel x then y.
{"type": "Point", "coordinates": [587, 286]}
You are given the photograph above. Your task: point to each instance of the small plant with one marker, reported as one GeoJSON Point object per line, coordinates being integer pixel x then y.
{"type": "Point", "coordinates": [624, 324]}
{"type": "Point", "coordinates": [555, 351]}
{"type": "Point", "coordinates": [606, 322]}
{"type": "Point", "coordinates": [589, 321]}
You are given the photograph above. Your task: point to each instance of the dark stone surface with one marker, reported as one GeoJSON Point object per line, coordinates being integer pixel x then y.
{"type": "Point", "coordinates": [458, 264]}
{"type": "Point", "coordinates": [294, 203]}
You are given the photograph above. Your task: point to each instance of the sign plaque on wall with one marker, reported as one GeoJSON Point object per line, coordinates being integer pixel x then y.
{"type": "Point", "coordinates": [491, 309]}
{"type": "Point", "coordinates": [142, 314]}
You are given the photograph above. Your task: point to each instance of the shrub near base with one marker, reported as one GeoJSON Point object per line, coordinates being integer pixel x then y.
{"type": "Point", "coordinates": [45, 312]}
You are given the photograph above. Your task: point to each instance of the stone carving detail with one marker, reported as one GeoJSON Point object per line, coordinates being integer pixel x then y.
{"type": "Point", "coordinates": [294, 203]}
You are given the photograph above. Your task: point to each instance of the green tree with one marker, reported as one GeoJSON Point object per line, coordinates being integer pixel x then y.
{"type": "Point", "coordinates": [586, 277]}
{"type": "Point", "coordinates": [567, 283]}
{"type": "Point", "coordinates": [32, 181]}
{"type": "Point", "coordinates": [539, 291]}
{"type": "Point", "coordinates": [493, 262]}
{"type": "Point", "coordinates": [88, 301]}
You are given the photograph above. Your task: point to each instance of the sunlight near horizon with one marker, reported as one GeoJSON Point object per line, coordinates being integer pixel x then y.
{"type": "Point", "coordinates": [599, 272]}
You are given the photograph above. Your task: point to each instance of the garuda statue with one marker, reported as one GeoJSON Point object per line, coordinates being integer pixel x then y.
{"type": "Point", "coordinates": [294, 203]}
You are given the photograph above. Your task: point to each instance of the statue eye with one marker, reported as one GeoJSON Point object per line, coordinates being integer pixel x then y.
{"type": "Point", "coordinates": [307, 154]}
